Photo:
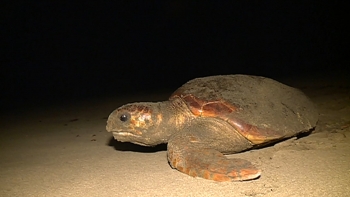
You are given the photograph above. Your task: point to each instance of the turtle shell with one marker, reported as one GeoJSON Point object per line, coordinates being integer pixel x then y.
{"type": "Point", "coordinates": [261, 109]}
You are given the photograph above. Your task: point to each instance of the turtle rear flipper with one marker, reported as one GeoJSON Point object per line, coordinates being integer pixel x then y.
{"type": "Point", "coordinates": [207, 163]}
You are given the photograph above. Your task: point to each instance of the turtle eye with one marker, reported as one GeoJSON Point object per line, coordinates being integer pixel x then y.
{"type": "Point", "coordinates": [124, 117]}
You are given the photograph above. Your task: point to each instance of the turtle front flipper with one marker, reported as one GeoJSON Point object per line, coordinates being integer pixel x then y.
{"type": "Point", "coordinates": [189, 157]}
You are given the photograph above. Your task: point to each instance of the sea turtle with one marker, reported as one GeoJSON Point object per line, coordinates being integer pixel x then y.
{"type": "Point", "coordinates": [216, 115]}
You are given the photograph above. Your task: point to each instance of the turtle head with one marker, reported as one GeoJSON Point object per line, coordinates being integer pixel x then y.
{"type": "Point", "coordinates": [137, 123]}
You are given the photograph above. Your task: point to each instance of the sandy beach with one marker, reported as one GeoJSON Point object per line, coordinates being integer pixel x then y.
{"type": "Point", "coordinates": [64, 150]}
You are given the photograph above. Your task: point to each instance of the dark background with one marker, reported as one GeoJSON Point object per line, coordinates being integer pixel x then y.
{"type": "Point", "coordinates": [56, 51]}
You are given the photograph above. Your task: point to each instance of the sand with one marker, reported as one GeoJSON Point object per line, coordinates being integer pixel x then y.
{"type": "Point", "coordinates": [64, 150]}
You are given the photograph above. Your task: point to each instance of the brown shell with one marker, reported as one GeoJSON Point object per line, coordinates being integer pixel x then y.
{"type": "Point", "coordinates": [261, 109]}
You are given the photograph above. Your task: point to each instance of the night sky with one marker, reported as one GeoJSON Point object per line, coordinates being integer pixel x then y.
{"type": "Point", "coordinates": [63, 51]}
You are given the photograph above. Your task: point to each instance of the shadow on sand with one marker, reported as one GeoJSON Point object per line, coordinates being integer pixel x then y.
{"type": "Point", "coordinates": [127, 146]}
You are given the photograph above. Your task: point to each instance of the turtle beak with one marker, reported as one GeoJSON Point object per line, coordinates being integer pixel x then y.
{"type": "Point", "coordinates": [113, 123]}
{"type": "Point", "coordinates": [114, 126]}
{"type": "Point", "coordinates": [110, 123]}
